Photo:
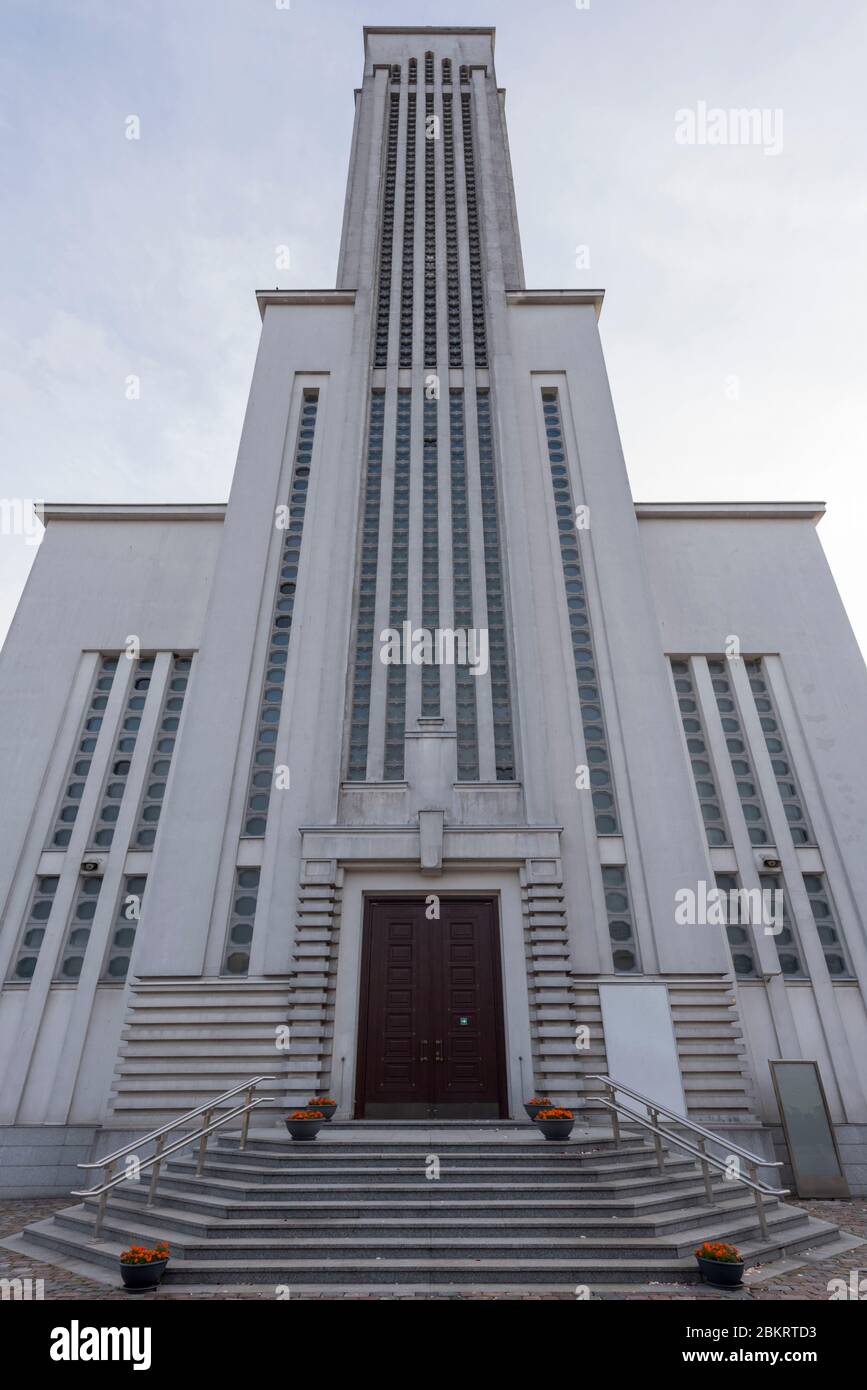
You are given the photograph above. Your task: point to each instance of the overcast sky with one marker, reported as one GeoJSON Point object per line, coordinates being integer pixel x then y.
{"type": "Point", "coordinates": [735, 317]}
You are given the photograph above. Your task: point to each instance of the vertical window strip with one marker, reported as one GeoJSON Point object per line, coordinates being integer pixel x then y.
{"type": "Point", "coordinates": [740, 941]}
{"type": "Point", "coordinates": [430, 579]}
{"type": "Point", "coordinates": [262, 768]}
{"type": "Point", "coordinates": [430, 240]}
{"type": "Point", "coordinates": [78, 931]}
{"type": "Point", "coordinates": [447, 71]}
{"type": "Point", "coordinates": [504, 749]}
{"type": "Point", "coordinates": [786, 942]}
{"type": "Point", "coordinates": [123, 933]}
{"type": "Point", "coordinates": [465, 683]}
{"type": "Point", "coordinates": [102, 834]}
{"type": "Point", "coordinates": [781, 762]}
{"type": "Point", "coordinates": [413, 72]}
{"type": "Point", "coordinates": [827, 926]}
{"type": "Point", "coordinates": [429, 69]}
{"type": "Point", "coordinates": [386, 236]}
{"type": "Point", "coordinates": [624, 949]}
{"type": "Point", "coordinates": [85, 746]}
{"type": "Point", "coordinates": [583, 649]}
{"type": "Point", "coordinates": [33, 933]}
{"type": "Point", "coordinates": [395, 72]}
{"type": "Point", "coordinates": [395, 691]}
{"type": "Point", "coordinates": [236, 959]}
{"type": "Point", "coordinates": [696, 744]}
{"type": "Point", "coordinates": [408, 262]}
{"type": "Point", "coordinates": [152, 801]}
{"type": "Point", "coordinates": [477, 293]}
{"type": "Point", "coordinates": [366, 602]}
{"type": "Point", "coordinates": [453, 282]}
{"type": "Point", "coordinates": [736, 743]}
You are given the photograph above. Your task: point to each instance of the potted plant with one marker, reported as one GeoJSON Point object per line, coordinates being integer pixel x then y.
{"type": "Point", "coordinates": [305, 1124]}
{"type": "Point", "coordinates": [142, 1268]}
{"type": "Point", "coordinates": [325, 1104]}
{"type": "Point", "coordinates": [538, 1103]}
{"type": "Point", "coordinates": [720, 1264]}
{"type": "Point", "coordinates": [555, 1123]}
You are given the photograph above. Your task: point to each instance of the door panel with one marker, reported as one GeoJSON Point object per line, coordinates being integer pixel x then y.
{"type": "Point", "coordinates": [430, 1031]}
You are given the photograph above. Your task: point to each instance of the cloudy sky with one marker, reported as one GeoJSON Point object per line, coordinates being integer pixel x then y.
{"type": "Point", "coordinates": [734, 321]}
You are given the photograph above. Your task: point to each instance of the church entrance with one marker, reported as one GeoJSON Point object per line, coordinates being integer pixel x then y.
{"type": "Point", "coordinates": [430, 1040]}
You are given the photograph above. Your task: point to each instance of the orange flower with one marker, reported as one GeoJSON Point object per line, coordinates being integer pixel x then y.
{"type": "Point", "coordinates": [556, 1113]}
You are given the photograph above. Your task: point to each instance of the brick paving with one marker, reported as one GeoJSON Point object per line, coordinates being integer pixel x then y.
{"type": "Point", "coordinates": [809, 1281]}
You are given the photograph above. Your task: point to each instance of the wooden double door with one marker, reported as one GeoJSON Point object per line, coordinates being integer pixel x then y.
{"type": "Point", "coordinates": [430, 1041]}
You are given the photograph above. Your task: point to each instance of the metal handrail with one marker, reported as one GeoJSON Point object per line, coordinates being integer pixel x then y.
{"type": "Point", "coordinates": [209, 1105]}
{"type": "Point", "coordinates": [707, 1161]}
{"type": "Point", "coordinates": [687, 1123]}
{"type": "Point", "coordinates": [157, 1159]}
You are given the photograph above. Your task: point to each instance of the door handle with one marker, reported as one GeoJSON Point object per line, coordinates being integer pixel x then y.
{"type": "Point", "coordinates": [438, 1050]}
{"type": "Point", "coordinates": [422, 1056]}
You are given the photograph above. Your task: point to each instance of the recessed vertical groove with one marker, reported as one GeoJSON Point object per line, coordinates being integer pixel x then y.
{"type": "Point", "coordinates": [408, 259]}
{"type": "Point", "coordinates": [386, 236]}
{"type": "Point", "coordinates": [453, 284]}
{"type": "Point", "coordinates": [395, 693]}
{"type": "Point", "coordinates": [477, 292]}
{"type": "Point", "coordinates": [465, 682]}
{"type": "Point", "coordinates": [430, 238]}
{"type": "Point", "coordinates": [504, 748]}
{"type": "Point", "coordinates": [430, 599]}
{"type": "Point", "coordinates": [359, 730]}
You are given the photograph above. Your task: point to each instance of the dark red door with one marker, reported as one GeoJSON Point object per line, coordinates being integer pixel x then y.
{"type": "Point", "coordinates": [430, 1031]}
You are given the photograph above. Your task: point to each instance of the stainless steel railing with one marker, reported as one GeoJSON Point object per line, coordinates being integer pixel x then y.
{"type": "Point", "coordinates": [698, 1151]}
{"type": "Point", "coordinates": [154, 1161]}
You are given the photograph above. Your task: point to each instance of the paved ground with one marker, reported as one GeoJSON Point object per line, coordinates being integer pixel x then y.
{"type": "Point", "coordinates": [806, 1281]}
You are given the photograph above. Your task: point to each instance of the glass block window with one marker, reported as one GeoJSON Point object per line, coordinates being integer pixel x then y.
{"type": "Point", "coordinates": [462, 583]}
{"type": "Point", "coordinates": [123, 934]}
{"type": "Point", "coordinates": [430, 577]}
{"type": "Point", "coordinates": [407, 269]}
{"type": "Point", "coordinates": [161, 759]}
{"type": "Point", "coordinates": [365, 615]}
{"type": "Point", "coordinates": [699, 757]}
{"type": "Point", "coordinates": [430, 242]}
{"type": "Point", "coordinates": [413, 71]}
{"type": "Point", "coordinates": [447, 71]}
{"type": "Point", "coordinates": [85, 746]}
{"type": "Point", "coordinates": [237, 956]}
{"type": "Point", "coordinates": [504, 748]}
{"type": "Point", "coordinates": [395, 689]}
{"type": "Point", "coordinates": [736, 743]}
{"type": "Point", "coordinates": [788, 947]}
{"type": "Point", "coordinates": [739, 934]}
{"type": "Point", "coordinates": [465, 73]}
{"type": "Point", "coordinates": [262, 770]}
{"type": "Point", "coordinates": [781, 762]}
{"type": "Point", "coordinates": [78, 931]}
{"type": "Point", "coordinates": [453, 283]}
{"type": "Point", "coordinates": [395, 72]}
{"type": "Point", "coordinates": [429, 68]}
{"type": "Point", "coordinates": [38, 913]}
{"type": "Point", "coordinates": [583, 652]}
{"type": "Point", "coordinates": [386, 235]}
{"type": "Point", "coordinates": [827, 927]}
{"type": "Point", "coordinates": [121, 758]}
{"type": "Point", "coordinates": [477, 292]}
{"type": "Point", "coordinates": [620, 926]}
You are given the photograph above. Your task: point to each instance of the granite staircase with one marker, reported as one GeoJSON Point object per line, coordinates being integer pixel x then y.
{"type": "Point", "coordinates": [425, 1208]}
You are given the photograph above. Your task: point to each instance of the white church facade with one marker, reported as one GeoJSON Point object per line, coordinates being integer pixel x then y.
{"type": "Point", "coordinates": [236, 839]}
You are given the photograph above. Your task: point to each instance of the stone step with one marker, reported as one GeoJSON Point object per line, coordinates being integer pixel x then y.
{"type": "Point", "coordinates": [204, 1216]}
{"type": "Point", "coordinates": [384, 1271]}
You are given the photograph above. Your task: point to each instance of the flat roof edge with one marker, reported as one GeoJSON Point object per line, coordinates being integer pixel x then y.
{"type": "Point", "coordinates": [130, 511]}
{"type": "Point", "coordinates": [738, 511]}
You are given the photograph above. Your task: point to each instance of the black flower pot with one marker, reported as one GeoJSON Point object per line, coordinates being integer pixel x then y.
{"type": "Point", "coordinates": [304, 1129]}
{"type": "Point", "coordinates": [555, 1129]}
{"type": "Point", "coordinates": [143, 1278]}
{"type": "Point", "coordinates": [725, 1274]}
{"type": "Point", "coordinates": [533, 1110]}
